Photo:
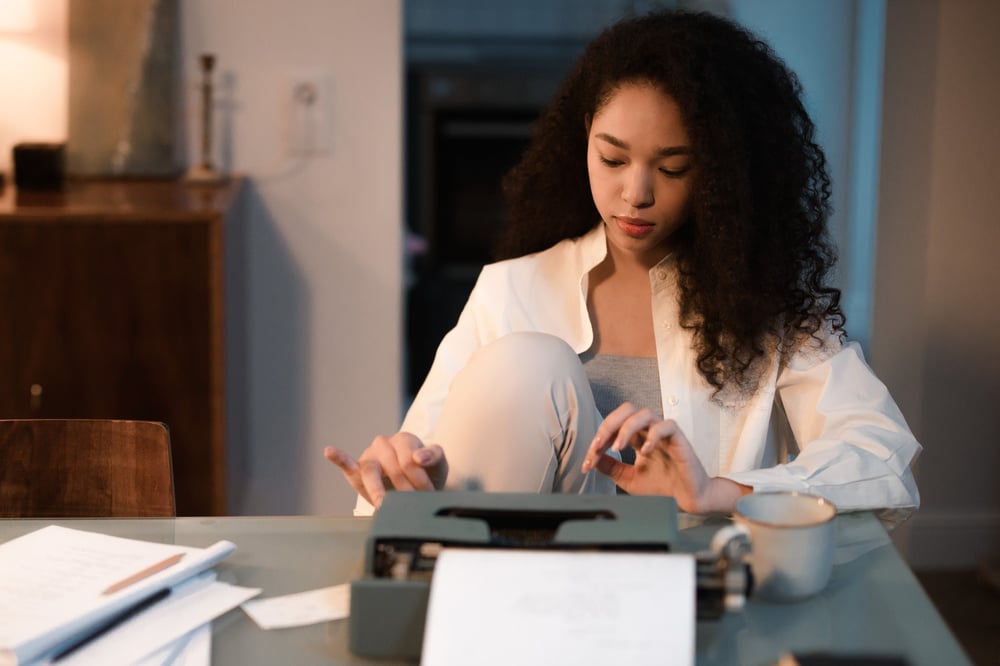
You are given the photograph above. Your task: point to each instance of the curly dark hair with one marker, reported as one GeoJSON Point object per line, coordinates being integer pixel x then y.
{"type": "Point", "coordinates": [753, 258]}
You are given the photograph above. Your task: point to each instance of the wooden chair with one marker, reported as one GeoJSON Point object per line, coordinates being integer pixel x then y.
{"type": "Point", "coordinates": [54, 468]}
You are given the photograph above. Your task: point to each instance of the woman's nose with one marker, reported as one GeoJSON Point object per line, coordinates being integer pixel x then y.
{"type": "Point", "coordinates": [638, 190]}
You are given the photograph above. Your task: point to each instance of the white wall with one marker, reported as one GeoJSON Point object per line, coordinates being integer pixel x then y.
{"type": "Point", "coordinates": [322, 252]}
{"type": "Point", "coordinates": [937, 309]}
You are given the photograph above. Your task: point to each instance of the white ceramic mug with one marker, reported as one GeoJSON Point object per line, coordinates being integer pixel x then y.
{"type": "Point", "coordinates": [791, 542]}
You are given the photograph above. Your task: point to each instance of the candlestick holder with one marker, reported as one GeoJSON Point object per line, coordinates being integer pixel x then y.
{"type": "Point", "coordinates": [204, 171]}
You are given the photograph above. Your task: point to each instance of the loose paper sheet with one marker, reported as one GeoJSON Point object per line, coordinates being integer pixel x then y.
{"type": "Point", "coordinates": [52, 582]}
{"type": "Point", "coordinates": [193, 649]}
{"type": "Point", "coordinates": [500, 607]}
{"type": "Point", "coordinates": [300, 609]}
{"type": "Point", "coordinates": [189, 606]}
{"type": "Point", "coordinates": [59, 572]}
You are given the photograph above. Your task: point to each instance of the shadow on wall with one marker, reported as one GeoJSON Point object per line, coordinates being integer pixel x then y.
{"type": "Point", "coordinates": [958, 462]}
{"type": "Point", "coordinates": [267, 393]}
{"type": "Point", "coordinates": [957, 525]}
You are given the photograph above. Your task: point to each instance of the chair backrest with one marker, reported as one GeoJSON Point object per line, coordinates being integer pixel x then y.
{"type": "Point", "coordinates": [54, 468]}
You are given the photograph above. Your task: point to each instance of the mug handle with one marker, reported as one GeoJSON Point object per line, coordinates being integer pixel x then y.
{"type": "Point", "coordinates": [730, 546]}
{"type": "Point", "coordinates": [731, 540]}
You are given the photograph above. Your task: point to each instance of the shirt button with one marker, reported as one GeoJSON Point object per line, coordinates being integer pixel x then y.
{"type": "Point", "coordinates": [661, 275]}
{"type": "Point", "coordinates": [672, 401]}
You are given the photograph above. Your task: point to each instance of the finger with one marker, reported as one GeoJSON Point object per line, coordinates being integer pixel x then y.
{"type": "Point", "coordinates": [390, 453]}
{"type": "Point", "coordinates": [418, 477]}
{"type": "Point", "coordinates": [371, 479]}
{"type": "Point", "coordinates": [416, 469]}
{"type": "Point", "coordinates": [605, 436]}
{"type": "Point", "coordinates": [613, 422]}
{"type": "Point", "coordinates": [598, 448]}
{"type": "Point", "coordinates": [634, 430]}
{"type": "Point", "coordinates": [435, 464]}
{"type": "Point", "coordinates": [660, 433]}
{"type": "Point", "coordinates": [428, 456]}
{"type": "Point", "coordinates": [616, 470]}
{"type": "Point", "coordinates": [400, 464]}
{"type": "Point", "coordinates": [349, 467]}
{"type": "Point", "coordinates": [341, 459]}
{"type": "Point", "coordinates": [392, 468]}
{"type": "Point", "coordinates": [411, 468]}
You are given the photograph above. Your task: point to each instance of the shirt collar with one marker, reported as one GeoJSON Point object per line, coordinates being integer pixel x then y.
{"type": "Point", "coordinates": [594, 248]}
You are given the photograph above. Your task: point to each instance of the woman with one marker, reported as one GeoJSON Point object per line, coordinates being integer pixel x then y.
{"type": "Point", "coordinates": [665, 264]}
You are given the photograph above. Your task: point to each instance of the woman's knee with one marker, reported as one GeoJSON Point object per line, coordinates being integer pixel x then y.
{"type": "Point", "coordinates": [520, 374]}
{"type": "Point", "coordinates": [528, 353]}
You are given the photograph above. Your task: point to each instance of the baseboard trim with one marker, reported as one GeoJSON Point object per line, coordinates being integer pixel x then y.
{"type": "Point", "coordinates": [951, 540]}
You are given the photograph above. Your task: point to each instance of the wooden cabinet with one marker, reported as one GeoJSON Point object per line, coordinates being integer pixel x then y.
{"type": "Point", "coordinates": [111, 306]}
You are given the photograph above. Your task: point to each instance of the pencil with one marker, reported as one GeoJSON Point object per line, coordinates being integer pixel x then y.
{"type": "Point", "coordinates": [145, 573]}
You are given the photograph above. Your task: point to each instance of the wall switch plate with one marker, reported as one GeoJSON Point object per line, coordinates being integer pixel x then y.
{"type": "Point", "coordinates": [307, 108]}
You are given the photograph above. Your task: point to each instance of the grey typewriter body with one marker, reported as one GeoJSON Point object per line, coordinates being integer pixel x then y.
{"type": "Point", "coordinates": [389, 601]}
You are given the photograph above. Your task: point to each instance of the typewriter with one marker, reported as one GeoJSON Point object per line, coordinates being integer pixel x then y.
{"type": "Point", "coordinates": [389, 600]}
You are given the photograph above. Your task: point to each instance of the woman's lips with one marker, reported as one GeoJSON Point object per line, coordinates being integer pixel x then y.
{"type": "Point", "coordinates": [634, 226]}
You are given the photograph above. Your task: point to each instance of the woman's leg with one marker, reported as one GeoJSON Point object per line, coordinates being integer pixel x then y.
{"type": "Point", "coordinates": [519, 418]}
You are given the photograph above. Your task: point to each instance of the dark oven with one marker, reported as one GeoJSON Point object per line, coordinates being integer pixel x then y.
{"type": "Point", "coordinates": [467, 124]}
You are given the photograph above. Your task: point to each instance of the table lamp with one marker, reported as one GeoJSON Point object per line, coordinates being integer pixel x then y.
{"type": "Point", "coordinates": [16, 16]}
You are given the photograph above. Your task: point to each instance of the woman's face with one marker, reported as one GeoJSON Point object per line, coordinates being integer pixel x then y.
{"type": "Point", "coordinates": [641, 170]}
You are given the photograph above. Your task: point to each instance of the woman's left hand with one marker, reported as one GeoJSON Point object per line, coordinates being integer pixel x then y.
{"type": "Point", "coordinates": [665, 462]}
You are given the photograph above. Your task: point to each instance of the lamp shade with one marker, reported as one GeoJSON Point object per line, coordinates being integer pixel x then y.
{"type": "Point", "coordinates": [17, 15]}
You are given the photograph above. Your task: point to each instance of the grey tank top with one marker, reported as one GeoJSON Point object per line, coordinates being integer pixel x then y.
{"type": "Point", "coordinates": [618, 379]}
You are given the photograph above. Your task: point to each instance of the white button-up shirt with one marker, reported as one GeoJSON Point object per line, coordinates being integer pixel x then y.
{"type": "Point", "coordinates": [820, 422]}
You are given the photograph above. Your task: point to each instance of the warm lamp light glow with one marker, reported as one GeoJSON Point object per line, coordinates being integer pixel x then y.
{"type": "Point", "coordinates": [17, 15]}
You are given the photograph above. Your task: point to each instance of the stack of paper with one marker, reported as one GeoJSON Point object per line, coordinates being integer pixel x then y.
{"type": "Point", "coordinates": [495, 607]}
{"type": "Point", "coordinates": [73, 596]}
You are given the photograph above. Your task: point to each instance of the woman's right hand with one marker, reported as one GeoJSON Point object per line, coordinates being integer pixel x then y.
{"type": "Point", "coordinates": [401, 462]}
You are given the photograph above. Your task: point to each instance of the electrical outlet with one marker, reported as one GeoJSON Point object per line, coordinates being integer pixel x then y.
{"type": "Point", "coordinates": [307, 113]}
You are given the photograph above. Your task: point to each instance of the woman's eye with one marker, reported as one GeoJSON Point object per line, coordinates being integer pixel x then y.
{"type": "Point", "coordinates": [610, 162]}
{"type": "Point", "coordinates": [674, 173]}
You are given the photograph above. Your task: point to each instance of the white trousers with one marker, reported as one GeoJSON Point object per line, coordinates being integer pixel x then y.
{"type": "Point", "coordinates": [519, 417]}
